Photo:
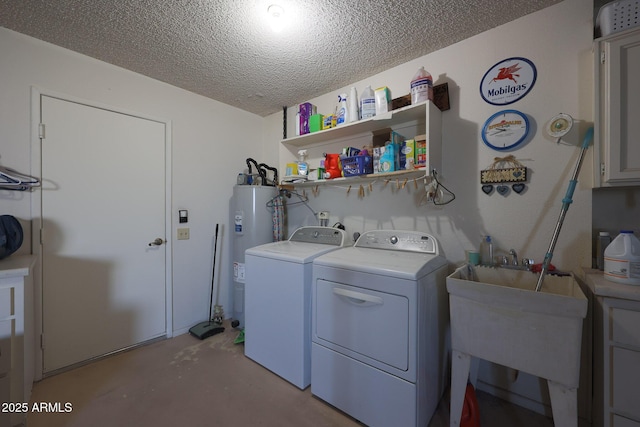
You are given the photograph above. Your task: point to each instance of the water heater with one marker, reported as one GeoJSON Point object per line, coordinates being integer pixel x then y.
{"type": "Point", "coordinates": [252, 222]}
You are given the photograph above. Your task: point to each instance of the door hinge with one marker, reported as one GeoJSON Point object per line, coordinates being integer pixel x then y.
{"type": "Point", "coordinates": [602, 168]}
{"type": "Point", "coordinates": [602, 57]}
{"type": "Point", "coordinates": [42, 341]}
{"type": "Point", "coordinates": [41, 237]}
{"type": "Point", "coordinates": [41, 130]}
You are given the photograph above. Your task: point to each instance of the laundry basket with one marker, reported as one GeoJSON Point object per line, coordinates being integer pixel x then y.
{"type": "Point", "coordinates": [617, 16]}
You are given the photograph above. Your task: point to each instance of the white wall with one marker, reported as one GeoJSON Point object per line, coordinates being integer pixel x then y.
{"type": "Point", "coordinates": [210, 141]}
{"type": "Point", "coordinates": [558, 40]}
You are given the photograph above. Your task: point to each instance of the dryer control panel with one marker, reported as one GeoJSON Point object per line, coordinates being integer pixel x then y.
{"type": "Point", "coordinates": [321, 235]}
{"type": "Point", "coordinates": [410, 241]}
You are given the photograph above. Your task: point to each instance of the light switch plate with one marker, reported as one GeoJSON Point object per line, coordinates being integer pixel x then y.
{"type": "Point", "coordinates": [183, 234]}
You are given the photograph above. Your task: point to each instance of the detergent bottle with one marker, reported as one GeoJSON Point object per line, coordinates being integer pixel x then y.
{"type": "Point", "coordinates": [303, 166]}
{"type": "Point", "coordinates": [622, 259]}
{"type": "Point", "coordinates": [367, 103]}
{"type": "Point", "coordinates": [354, 113]}
{"type": "Point", "coordinates": [343, 110]}
{"type": "Point", "coordinates": [421, 87]}
{"type": "Point", "coordinates": [332, 166]}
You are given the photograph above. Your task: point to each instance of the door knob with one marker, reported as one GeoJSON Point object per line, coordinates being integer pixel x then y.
{"type": "Point", "coordinates": [157, 242]}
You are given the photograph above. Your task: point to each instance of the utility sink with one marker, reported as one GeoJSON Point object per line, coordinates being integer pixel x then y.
{"type": "Point", "coordinates": [496, 315]}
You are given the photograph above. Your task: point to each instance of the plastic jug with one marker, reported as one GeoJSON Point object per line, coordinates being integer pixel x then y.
{"type": "Point", "coordinates": [367, 103]}
{"type": "Point", "coordinates": [622, 259]}
{"type": "Point", "coordinates": [421, 87]}
{"type": "Point", "coordinates": [343, 110]}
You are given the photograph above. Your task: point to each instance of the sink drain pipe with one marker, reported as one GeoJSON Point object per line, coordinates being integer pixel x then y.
{"type": "Point", "coordinates": [568, 199]}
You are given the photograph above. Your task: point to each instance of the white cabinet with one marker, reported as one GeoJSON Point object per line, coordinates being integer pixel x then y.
{"type": "Point", "coordinates": [617, 352]}
{"type": "Point", "coordinates": [617, 110]}
{"type": "Point", "coordinates": [17, 341]}
{"type": "Point", "coordinates": [424, 118]}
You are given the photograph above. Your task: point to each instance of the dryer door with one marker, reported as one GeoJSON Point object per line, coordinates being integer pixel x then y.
{"type": "Point", "coordinates": [363, 323]}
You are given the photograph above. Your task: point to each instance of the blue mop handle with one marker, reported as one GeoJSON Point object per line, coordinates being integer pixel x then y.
{"type": "Point", "coordinates": [568, 199]}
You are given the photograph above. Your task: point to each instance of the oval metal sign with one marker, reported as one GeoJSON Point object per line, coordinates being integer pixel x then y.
{"type": "Point", "coordinates": [508, 81]}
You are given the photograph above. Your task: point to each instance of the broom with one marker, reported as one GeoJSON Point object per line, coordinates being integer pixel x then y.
{"type": "Point", "coordinates": [208, 328]}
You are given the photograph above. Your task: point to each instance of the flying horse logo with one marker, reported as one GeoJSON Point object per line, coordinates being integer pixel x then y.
{"type": "Point", "coordinates": [508, 73]}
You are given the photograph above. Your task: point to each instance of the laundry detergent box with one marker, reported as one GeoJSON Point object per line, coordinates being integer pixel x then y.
{"type": "Point", "coordinates": [397, 140]}
{"type": "Point", "coordinates": [407, 154]}
{"type": "Point", "coordinates": [315, 123]}
{"type": "Point", "coordinates": [388, 159]}
{"type": "Point", "coordinates": [377, 154]}
{"type": "Point", "coordinates": [383, 100]}
{"type": "Point", "coordinates": [307, 109]}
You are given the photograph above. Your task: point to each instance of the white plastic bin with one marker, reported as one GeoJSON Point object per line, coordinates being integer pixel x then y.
{"type": "Point", "coordinates": [618, 16]}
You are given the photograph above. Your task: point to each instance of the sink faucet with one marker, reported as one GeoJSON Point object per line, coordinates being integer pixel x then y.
{"type": "Point", "coordinates": [514, 257]}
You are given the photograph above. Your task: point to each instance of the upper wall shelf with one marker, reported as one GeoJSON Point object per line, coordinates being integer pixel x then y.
{"type": "Point", "coordinates": [390, 119]}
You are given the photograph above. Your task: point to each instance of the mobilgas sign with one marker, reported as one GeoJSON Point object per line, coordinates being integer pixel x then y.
{"type": "Point", "coordinates": [508, 81]}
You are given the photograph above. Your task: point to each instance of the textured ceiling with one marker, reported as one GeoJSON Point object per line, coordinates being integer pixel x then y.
{"type": "Point", "coordinates": [225, 50]}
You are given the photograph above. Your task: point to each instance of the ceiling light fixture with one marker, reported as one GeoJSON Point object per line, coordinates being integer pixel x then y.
{"type": "Point", "coordinates": [276, 17]}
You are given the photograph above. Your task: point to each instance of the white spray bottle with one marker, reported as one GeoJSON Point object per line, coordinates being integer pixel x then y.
{"type": "Point", "coordinates": [303, 166]}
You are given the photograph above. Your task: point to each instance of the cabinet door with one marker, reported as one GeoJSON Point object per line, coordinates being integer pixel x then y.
{"type": "Point", "coordinates": [5, 346]}
{"type": "Point", "coordinates": [625, 376]}
{"type": "Point", "coordinates": [620, 108]}
{"type": "Point", "coordinates": [619, 421]}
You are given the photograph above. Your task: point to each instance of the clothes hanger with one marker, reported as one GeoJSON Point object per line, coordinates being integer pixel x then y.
{"type": "Point", "coordinates": [10, 179]}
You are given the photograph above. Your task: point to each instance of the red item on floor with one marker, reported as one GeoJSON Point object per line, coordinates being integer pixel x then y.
{"type": "Point", "coordinates": [470, 411]}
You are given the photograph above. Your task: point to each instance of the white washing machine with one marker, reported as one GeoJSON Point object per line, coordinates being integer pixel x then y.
{"type": "Point", "coordinates": [278, 301]}
{"type": "Point", "coordinates": [379, 328]}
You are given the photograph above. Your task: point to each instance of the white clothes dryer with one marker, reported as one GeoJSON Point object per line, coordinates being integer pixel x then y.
{"type": "Point", "coordinates": [380, 316]}
{"type": "Point", "coordinates": [278, 301]}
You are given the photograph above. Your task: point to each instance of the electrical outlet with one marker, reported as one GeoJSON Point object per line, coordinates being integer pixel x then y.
{"type": "Point", "coordinates": [183, 234]}
{"type": "Point", "coordinates": [323, 215]}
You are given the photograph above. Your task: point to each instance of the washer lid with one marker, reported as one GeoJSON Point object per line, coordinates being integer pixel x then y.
{"type": "Point", "coordinates": [396, 264]}
{"type": "Point", "coordinates": [299, 252]}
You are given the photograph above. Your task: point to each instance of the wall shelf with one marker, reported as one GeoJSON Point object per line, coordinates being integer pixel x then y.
{"type": "Point", "coordinates": [401, 176]}
{"type": "Point", "coordinates": [411, 113]}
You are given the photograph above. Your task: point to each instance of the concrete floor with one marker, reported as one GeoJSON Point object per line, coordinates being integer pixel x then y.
{"type": "Point", "coordinates": [185, 381]}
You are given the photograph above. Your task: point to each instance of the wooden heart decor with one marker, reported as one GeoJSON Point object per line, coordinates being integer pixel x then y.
{"type": "Point", "coordinates": [487, 188]}
{"type": "Point", "coordinates": [504, 170]}
{"type": "Point", "coordinates": [518, 188]}
{"type": "Point", "coordinates": [502, 190]}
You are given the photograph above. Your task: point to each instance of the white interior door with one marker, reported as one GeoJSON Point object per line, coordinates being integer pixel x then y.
{"type": "Point", "coordinates": [103, 202]}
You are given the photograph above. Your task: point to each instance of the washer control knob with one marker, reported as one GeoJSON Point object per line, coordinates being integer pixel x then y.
{"type": "Point", "coordinates": [393, 240]}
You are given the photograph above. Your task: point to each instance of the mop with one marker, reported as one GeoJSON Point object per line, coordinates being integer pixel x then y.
{"type": "Point", "coordinates": [210, 327]}
{"type": "Point", "coordinates": [568, 199]}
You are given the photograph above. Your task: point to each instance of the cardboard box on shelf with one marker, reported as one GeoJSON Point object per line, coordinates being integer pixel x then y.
{"type": "Point", "coordinates": [421, 150]}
